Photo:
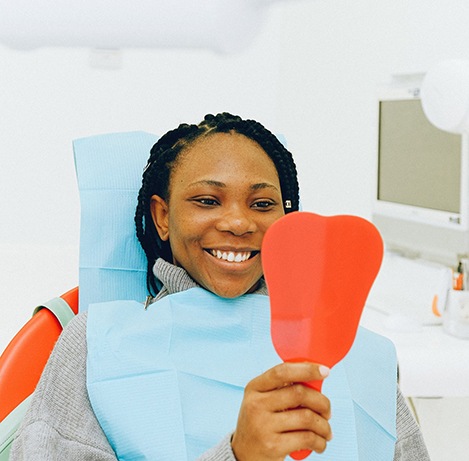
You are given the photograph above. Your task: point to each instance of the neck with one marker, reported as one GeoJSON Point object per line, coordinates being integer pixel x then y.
{"type": "Point", "coordinates": [176, 279]}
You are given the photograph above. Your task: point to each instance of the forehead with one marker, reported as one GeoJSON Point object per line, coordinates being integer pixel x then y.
{"type": "Point", "coordinates": [231, 155]}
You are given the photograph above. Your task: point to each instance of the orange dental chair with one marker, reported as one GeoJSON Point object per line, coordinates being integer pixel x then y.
{"type": "Point", "coordinates": [23, 360]}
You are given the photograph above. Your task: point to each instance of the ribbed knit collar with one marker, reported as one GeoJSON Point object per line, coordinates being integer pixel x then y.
{"type": "Point", "coordinates": [176, 279]}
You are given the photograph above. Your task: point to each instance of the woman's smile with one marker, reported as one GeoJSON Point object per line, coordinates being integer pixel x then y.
{"type": "Point", "coordinates": [232, 256]}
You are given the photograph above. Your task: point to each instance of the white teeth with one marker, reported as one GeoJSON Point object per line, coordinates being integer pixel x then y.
{"type": "Point", "coordinates": [231, 256]}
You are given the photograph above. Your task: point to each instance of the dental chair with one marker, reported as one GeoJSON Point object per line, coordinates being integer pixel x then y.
{"type": "Point", "coordinates": [24, 358]}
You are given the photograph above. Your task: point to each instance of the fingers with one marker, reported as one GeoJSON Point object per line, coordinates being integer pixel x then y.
{"type": "Point", "coordinates": [298, 408]}
{"type": "Point", "coordinates": [302, 440]}
{"type": "Point", "coordinates": [303, 420]}
{"type": "Point", "coordinates": [282, 390]}
{"type": "Point", "coordinates": [288, 373]}
{"type": "Point", "coordinates": [297, 395]}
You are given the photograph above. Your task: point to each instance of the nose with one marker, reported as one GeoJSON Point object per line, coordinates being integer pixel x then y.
{"type": "Point", "coordinates": [237, 221]}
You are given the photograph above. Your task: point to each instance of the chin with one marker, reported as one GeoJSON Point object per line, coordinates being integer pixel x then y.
{"type": "Point", "coordinates": [230, 293]}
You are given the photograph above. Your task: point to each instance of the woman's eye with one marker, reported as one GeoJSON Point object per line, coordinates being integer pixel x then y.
{"type": "Point", "coordinates": [207, 201]}
{"type": "Point", "coordinates": [264, 204]}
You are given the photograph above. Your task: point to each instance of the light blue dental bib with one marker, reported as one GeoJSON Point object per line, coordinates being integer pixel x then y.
{"type": "Point", "coordinates": [166, 383]}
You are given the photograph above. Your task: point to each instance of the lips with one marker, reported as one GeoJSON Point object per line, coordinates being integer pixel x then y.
{"type": "Point", "coordinates": [232, 256]}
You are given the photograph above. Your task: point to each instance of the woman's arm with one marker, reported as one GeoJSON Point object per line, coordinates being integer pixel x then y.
{"type": "Point", "coordinates": [60, 423]}
{"type": "Point", "coordinates": [410, 445]}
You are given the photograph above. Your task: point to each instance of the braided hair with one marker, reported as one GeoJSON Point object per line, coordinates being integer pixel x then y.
{"type": "Point", "coordinates": [164, 156]}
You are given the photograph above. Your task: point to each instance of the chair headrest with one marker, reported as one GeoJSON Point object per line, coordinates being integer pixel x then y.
{"type": "Point", "coordinates": [109, 171]}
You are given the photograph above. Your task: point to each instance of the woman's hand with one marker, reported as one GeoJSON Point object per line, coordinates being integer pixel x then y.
{"type": "Point", "coordinates": [280, 415]}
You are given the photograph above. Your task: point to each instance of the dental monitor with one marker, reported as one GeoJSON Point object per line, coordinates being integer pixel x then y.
{"type": "Point", "coordinates": [421, 203]}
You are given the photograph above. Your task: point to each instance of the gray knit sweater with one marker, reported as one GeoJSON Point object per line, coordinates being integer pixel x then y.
{"type": "Point", "coordinates": [60, 423]}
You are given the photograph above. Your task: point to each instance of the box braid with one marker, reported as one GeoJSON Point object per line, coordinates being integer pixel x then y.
{"type": "Point", "coordinates": [164, 156]}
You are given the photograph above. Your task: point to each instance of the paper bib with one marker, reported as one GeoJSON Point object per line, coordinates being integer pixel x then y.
{"type": "Point", "coordinates": [166, 383]}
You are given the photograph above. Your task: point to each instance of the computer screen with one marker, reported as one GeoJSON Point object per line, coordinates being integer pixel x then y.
{"type": "Point", "coordinates": [421, 196]}
{"type": "Point", "coordinates": [418, 164]}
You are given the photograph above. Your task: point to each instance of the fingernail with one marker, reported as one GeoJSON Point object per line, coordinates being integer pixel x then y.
{"type": "Point", "coordinates": [324, 371]}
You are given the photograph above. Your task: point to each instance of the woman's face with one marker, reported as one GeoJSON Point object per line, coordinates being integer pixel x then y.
{"type": "Point", "coordinates": [224, 193]}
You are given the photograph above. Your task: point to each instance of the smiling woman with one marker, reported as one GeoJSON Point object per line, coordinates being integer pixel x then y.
{"type": "Point", "coordinates": [193, 373]}
{"type": "Point", "coordinates": [224, 193]}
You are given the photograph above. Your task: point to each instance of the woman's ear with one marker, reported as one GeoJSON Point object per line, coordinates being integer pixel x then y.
{"type": "Point", "coordinates": [159, 213]}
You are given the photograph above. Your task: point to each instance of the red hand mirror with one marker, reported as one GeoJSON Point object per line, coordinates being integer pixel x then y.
{"type": "Point", "coordinates": [319, 271]}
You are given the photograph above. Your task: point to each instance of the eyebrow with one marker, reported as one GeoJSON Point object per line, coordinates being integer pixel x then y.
{"type": "Point", "coordinates": [211, 182]}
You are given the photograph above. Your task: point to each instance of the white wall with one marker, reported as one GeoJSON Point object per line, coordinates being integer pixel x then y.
{"type": "Point", "coordinates": [312, 74]}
